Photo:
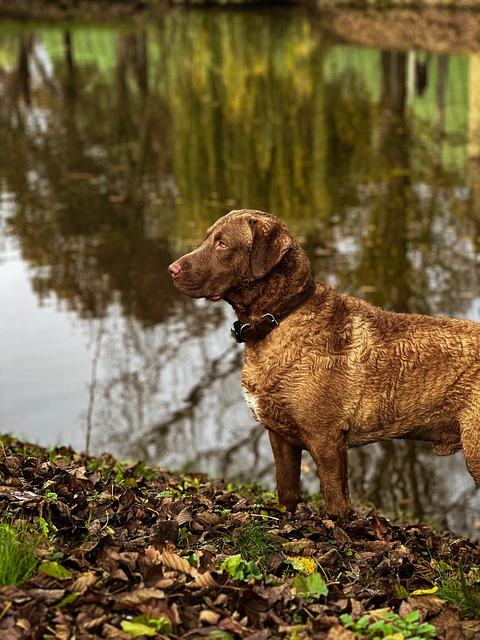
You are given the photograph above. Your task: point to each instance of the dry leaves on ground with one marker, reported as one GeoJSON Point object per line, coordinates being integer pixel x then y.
{"type": "Point", "coordinates": [129, 551]}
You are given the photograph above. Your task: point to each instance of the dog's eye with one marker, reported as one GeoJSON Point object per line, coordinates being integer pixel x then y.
{"type": "Point", "coordinates": [221, 244]}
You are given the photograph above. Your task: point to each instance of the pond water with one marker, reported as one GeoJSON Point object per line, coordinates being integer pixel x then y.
{"type": "Point", "coordinates": [122, 143]}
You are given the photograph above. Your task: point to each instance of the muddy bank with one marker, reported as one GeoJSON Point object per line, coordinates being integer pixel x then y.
{"type": "Point", "coordinates": [98, 10]}
{"type": "Point", "coordinates": [380, 23]}
{"type": "Point", "coordinates": [430, 29]}
{"type": "Point", "coordinates": [419, 26]}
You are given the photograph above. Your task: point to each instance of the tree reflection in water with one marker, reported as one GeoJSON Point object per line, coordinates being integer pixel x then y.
{"type": "Point", "coordinates": [122, 144]}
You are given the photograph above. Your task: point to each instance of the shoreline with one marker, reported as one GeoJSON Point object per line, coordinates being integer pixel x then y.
{"type": "Point", "coordinates": [439, 28]}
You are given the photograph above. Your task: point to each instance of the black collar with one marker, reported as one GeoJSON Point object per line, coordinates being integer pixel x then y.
{"type": "Point", "coordinates": [259, 328]}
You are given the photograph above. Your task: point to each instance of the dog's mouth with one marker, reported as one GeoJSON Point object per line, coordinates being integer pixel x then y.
{"type": "Point", "coordinates": [193, 291]}
{"type": "Point", "coordinates": [196, 293]}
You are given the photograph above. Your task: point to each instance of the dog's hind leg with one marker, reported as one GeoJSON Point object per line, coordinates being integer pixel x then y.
{"type": "Point", "coordinates": [470, 434]}
{"type": "Point", "coordinates": [287, 470]}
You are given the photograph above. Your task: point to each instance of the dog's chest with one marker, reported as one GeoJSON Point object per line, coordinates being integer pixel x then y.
{"type": "Point", "coordinates": [253, 402]}
{"type": "Point", "coordinates": [272, 416]}
{"type": "Point", "coordinates": [266, 407]}
{"type": "Point", "coordinates": [262, 385]}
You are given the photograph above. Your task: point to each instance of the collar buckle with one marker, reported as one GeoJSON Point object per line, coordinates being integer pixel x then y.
{"type": "Point", "coordinates": [256, 330]}
{"type": "Point", "coordinates": [237, 331]}
{"type": "Point", "coordinates": [266, 323]}
{"type": "Point", "coordinates": [271, 318]}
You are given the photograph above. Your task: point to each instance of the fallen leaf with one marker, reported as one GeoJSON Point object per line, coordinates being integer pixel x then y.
{"type": "Point", "coordinates": [209, 617]}
{"type": "Point", "coordinates": [83, 582]}
{"type": "Point", "coordinates": [174, 561]}
{"type": "Point", "coordinates": [137, 596]}
{"type": "Point", "coordinates": [448, 624]}
{"type": "Point", "coordinates": [55, 570]}
{"type": "Point", "coordinates": [337, 632]}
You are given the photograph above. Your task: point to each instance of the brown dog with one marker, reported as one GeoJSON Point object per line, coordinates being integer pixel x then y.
{"type": "Point", "coordinates": [325, 371]}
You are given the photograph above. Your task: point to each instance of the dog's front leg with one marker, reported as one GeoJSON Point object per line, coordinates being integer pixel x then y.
{"type": "Point", "coordinates": [330, 454]}
{"type": "Point", "coordinates": [287, 470]}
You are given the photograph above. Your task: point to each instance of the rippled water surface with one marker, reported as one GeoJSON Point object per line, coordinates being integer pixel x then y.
{"type": "Point", "coordinates": [122, 143]}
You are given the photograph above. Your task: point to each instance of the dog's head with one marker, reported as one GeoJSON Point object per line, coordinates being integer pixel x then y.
{"type": "Point", "coordinates": [240, 248]}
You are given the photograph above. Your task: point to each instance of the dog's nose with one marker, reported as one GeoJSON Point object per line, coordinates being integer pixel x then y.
{"type": "Point", "coordinates": [174, 269]}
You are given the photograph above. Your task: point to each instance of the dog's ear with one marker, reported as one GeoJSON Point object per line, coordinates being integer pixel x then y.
{"type": "Point", "coordinates": [270, 242]}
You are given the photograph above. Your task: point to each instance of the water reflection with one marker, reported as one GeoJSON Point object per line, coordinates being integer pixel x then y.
{"type": "Point", "coordinates": [122, 144]}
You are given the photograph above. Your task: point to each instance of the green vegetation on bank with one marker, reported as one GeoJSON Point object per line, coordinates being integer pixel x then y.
{"type": "Point", "coordinates": [18, 562]}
